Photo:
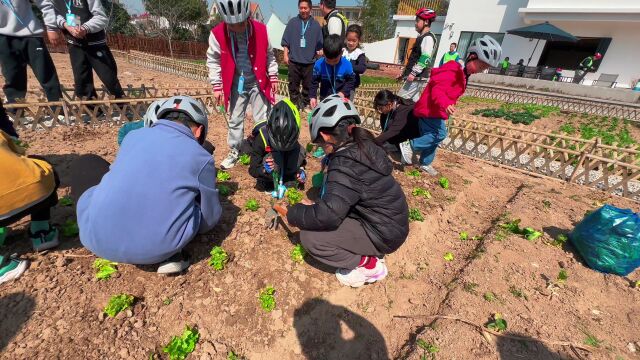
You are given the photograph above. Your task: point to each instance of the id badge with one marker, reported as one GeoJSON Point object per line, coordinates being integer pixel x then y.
{"type": "Point", "coordinates": [241, 84]}
{"type": "Point", "coordinates": [303, 42]}
{"type": "Point", "coordinates": [71, 19]}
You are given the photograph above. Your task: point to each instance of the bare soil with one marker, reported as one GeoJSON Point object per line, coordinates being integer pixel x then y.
{"type": "Point", "coordinates": [54, 309]}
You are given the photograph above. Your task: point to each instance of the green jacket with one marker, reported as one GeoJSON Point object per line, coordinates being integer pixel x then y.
{"type": "Point", "coordinates": [587, 63]}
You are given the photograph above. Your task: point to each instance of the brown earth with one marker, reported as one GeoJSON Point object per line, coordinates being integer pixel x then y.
{"type": "Point", "coordinates": [54, 309]}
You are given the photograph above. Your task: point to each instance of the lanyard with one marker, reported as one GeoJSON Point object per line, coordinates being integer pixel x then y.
{"type": "Point", "coordinates": [234, 43]}
{"type": "Point", "coordinates": [389, 115]}
{"type": "Point", "coordinates": [304, 27]}
{"type": "Point", "coordinates": [68, 4]}
{"type": "Point", "coordinates": [333, 84]}
{"type": "Point", "coordinates": [11, 7]}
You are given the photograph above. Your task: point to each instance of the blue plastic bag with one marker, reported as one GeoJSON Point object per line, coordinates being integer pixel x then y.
{"type": "Point", "coordinates": [609, 240]}
{"type": "Point", "coordinates": [128, 127]}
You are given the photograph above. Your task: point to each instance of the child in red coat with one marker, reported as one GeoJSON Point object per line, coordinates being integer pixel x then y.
{"type": "Point", "coordinates": [447, 83]}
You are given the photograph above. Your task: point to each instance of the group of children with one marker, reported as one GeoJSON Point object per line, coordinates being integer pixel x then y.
{"type": "Point", "coordinates": [161, 190]}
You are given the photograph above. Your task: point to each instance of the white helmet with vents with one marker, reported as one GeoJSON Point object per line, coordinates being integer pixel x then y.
{"type": "Point", "coordinates": [233, 11]}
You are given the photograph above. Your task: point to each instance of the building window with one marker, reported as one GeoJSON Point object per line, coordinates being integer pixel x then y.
{"type": "Point", "coordinates": [466, 37]}
{"type": "Point", "coordinates": [568, 55]}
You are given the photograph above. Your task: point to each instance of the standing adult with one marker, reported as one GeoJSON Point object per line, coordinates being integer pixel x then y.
{"type": "Point", "coordinates": [451, 55]}
{"type": "Point", "coordinates": [585, 66]}
{"type": "Point", "coordinates": [336, 23]}
{"type": "Point", "coordinates": [416, 73]}
{"type": "Point", "coordinates": [83, 23]}
{"type": "Point", "coordinates": [22, 44]}
{"type": "Point", "coordinates": [301, 40]}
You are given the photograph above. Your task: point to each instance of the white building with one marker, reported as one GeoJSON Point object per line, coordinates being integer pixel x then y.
{"type": "Point", "coordinates": [611, 27]}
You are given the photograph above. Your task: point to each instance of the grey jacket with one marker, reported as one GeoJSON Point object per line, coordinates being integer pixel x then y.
{"type": "Point", "coordinates": [17, 19]}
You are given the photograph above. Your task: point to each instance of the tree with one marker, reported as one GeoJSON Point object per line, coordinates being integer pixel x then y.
{"type": "Point", "coordinates": [377, 19]}
{"type": "Point", "coordinates": [169, 15]}
{"type": "Point", "coordinates": [119, 18]}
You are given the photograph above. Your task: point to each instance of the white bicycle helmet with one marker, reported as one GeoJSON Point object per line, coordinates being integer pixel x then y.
{"type": "Point", "coordinates": [233, 11]}
{"type": "Point", "coordinates": [487, 49]}
{"type": "Point", "coordinates": [151, 116]}
{"type": "Point", "coordinates": [329, 112]}
{"type": "Point", "coordinates": [188, 106]}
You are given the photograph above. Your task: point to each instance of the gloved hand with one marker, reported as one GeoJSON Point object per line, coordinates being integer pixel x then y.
{"type": "Point", "coordinates": [301, 176]}
{"type": "Point", "coordinates": [269, 164]}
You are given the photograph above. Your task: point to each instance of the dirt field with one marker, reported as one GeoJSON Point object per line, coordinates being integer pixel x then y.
{"type": "Point", "coordinates": [55, 309]}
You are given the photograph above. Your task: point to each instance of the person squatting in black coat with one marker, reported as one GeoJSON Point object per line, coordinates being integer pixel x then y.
{"type": "Point", "coordinates": [362, 213]}
{"type": "Point", "coordinates": [276, 155]}
{"type": "Point", "coordinates": [397, 122]}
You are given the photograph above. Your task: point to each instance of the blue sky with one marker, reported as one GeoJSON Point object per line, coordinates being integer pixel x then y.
{"type": "Point", "coordinates": [283, 8]}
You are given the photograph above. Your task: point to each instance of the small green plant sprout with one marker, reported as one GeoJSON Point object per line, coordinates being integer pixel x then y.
{"type": "Point", "coordinates": [244, 159]}
{"type": "Point", "coordinates": [298, 253]}
{"type": "Point", "coordinates": [444, 183]}
{"type": "Point", "coordinates": [464, 236]}
{"type": "Point", "coordinates": [267, 299]}
{"type": "Point", "coordinates": [421, 192]}
{"type": "Point", "coordinates": [562, 276]}
{"type": "Point", "coordinates": [470, 287]}
{"type": "Point", "coordinates": [294, 196]}
{"type": "Point", "coordinates": [489, 296]}
{"type": "Point", "coordinates": [181, 346]}
{"type": "Point", "coordinates": [415, 173]}
{"type": "Point", "coordinates": [497, 323]}
{"type": "Point", "coordinates": [546, 204]}
{"type": "Point", "coordinates": [415, 215]}
{"type": "Point", "coordinates": [167, 301]}
{"type": "Point", "coordinates": [310, 147]}
{"type": "Point", "coordinates": [428, 349]}
{"type": "Point", "coordinates": [477, 238]}
{"type": "Point", "coordinates": [104, 268]}
{"type": "Point", "coordinates": [518, 292]}
{"type": "Point", "coordinates": [560, 240]}
{"type": "Point", "coordinates": [118, 303]}
{"type": "Point", "coordinates": [233, 356]}
{"type": "Point", "coordinates": [65, 201]}
{"type": "Point", "coordinates": [531, 234]}
{"type": "Point", "coordinates": [70, 228]}
{"type": "Point", "coordinates": [637, 284]}
{"type": "Point", "coordinates": [448, 256]}
{"type": "Point", "coordinates": [251, 205]}
{"type": "Point", "coordinates": [223, 176]}
{"type": "Point", "coordinates": [513, 226]}
{"type": "Point", "coordinates": [224, 190]}
{"type": "Point", "coordinates": [218, 259]}
{"type": "Point", "coordinates": [591, 340]}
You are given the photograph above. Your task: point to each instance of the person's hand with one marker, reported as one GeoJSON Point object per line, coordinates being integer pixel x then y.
{"type": "Point", "coordinates": [341, 94]}
{"type": "Point", "coordinates": [269, 164]}
{"type": "Point", "coordinates": [313, 102]}
{"type": "Point", "coordinates": [411, 77]}
{"type": "Point", "coordinates": [451, 109]}
{"type": "Point", "coordinates": [55, 38]}
{"type": "Point", "coordinates": [274, 87]}
{"type": "Point", "coordinates": [301, 176]}
{"type": "Point", "coordinates": [307, 202]}
{"type": "Point", "coordinates": [320, 53]}
{"type": "Point", "coordinates": [217, 96]}
{"type": "Point", "coordinates": [81, 32]}
{"type": "Point", "coordinates": [70, 29]}
{"type": "Point", "coordinates": [286, 59]}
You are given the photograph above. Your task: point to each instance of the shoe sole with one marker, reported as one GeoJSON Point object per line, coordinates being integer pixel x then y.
{"type": "Point", "coordinates": [46, 246]}
{"type": "Point", "coordinates": [368, 281]}
{"type": "Point", "coordinates": [172, 269]}
{"type": "Point", "coordinates": [15, 273]}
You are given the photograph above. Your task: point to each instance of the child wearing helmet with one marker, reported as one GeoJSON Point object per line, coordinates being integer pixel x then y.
{"type": "Point", "coordinates": [276, 155]}
{"type": "Point", "coordinates": [362, 213]}
{"type": "Point", "coordinates": [422, 56]}
{"type": "Point", "coordinates": [447, 83]}
{"type": "Point", "coordinates": [242, 70]}
{"type": "Point", "coordinates": [585, 66]}
{"type": "Point", "coordinates": [158, 194]}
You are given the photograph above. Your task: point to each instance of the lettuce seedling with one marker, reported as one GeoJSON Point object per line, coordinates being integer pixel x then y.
{"type": "Point", "coordinates": [267, 299]}
{"type": "Point", "coordinates": [65, 201]}
{"type": "Point", "coordinates": [497, 323]}
{"type": "Point", "coordinates": [417, 192]}
{"type": "Point", "coordinates": [448, 256]}
{"type": "Point", "coordinates": [415, 215]}
{"type": "Point", "coordinates": [118, 303]}
{"type": "Point", "coordinates": [104, 268]}
{"type": "Point", "coordinates": [444, 183]}
{"type": "Point", "coordinates": [223, 176]}
{"type": "Point", "coordinates": [70, 228]}
{"type": "Point", "coordinates": [294, 196]}
{"type": "Point", "coordinates": [298, 253]}
{"type": "Point", "coordinates": [252, 205]}
{"type": "Point", "coordinates": [219, 258]}
{"type": "Point", "coordinates": [244, 159]}
{"type": "Point", "coordinates": [179, 347]}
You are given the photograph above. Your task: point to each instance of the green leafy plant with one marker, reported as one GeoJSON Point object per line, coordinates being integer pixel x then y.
{"type": "Point", "coordinates": [224, 190]}
{"type": "Point", "coordinates": [70, 228]}
{"type": "Point", "coordinates": [470, 287]}
{"type": "Point", "coordinates": [167, 301]}
{"type": "Point", "coordinates": [518, 292]}
{"type": "Point", "coordinates": [531, 234]}
{"type": "Point", "coordinates": [415, 215]}
{"type": "Point", "coordinates": [489, 296]}
{"type": "Point", "coordinates": [298, 253]}
{"type": "Point", "coordinates": [118, 303]}
{"type": "Point", "coordinates": [65, 201]}
{"type": "Point", "coordinates": [421, 192]}
{"type": "Point", "coordinates": [562, 276]}
{"type": "Point", "coordinates": [223, 176]}
{"type": "Point", "coordinates": [448, 256]}
{"type": "Point", "coordinates": [181, 346]}
{"type": "Point", "coordinates": [428, 349]}
{"type": "Point", "coordinates": [414, 173]}
{"type": "Point", "coordinates": [219, 258]}
{"type": "Point", "coordinates": [104, 268]}
{"type": "Point", "coordinates": [444, 183]}
{"type": "Point", "coordinates": [310, 147]}
{"type": "Point", "coordinates": [560, 240]}
{"type": "Point", "coordinates": [513, 227]}
{"type": "Point", "coordinates": [267, 299]}
{"type": "Point", "coordinates": [546, 204]}
{"type": "Point", "coordinates": [244, 159]}
{"type": "Point", "coordinates": [592, 340]}
{"type": "Point", "coordinates": [464, 236]}
{"type": "Point", "coordinates": [497, 323]}
{"type": "Point", "coordinates": [20, 143]}
{"type": "Point", "coordinates": [294, 196]}
{"type": "Point", "coordinates": [252, 205]}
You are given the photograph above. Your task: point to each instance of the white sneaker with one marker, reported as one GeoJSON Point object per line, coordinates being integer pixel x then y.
{"type": "Point", "coordinates": [360, 276]}
{"type": "Point", "coordinates": [429, 170]}
{"type": "Point", "coordinates": [175, 264]}
{"type": "Point", "coordinates": [231, 160]}
{"type": "Point", "coordinates": [407, 152]}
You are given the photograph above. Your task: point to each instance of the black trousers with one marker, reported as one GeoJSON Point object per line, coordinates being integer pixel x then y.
{"type": "Point", "coordinates": [98, 58]}
{"type": "Point", "coordinates": [300, 75]}
{"type": "Point", "coordinates": [18, 52]}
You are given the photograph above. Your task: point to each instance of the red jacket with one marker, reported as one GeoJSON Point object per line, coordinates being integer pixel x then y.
{"type": "Point", "coordinates": [258, 49]}
{"type": "Point", "coordinates": [446, 84]}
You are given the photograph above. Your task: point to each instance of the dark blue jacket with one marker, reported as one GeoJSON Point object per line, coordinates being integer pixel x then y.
{"type": "Point", "coordinates": [332, 79]}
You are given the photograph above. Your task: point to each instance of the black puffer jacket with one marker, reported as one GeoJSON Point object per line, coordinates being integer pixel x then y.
{"type": "Point", "coordinates": [362, 189]}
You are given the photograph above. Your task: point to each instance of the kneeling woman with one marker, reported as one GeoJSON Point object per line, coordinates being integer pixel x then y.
{"type": "Point", "coordinates": [362, 213]}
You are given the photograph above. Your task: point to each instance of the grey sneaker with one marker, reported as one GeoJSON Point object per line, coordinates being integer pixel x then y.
{"type": "Point", "coordinates": [231, 159]}
{"type": "Point", "coordinates": [44, 239]}
{"type": "Point", "coordinates": [429, 170]}
{"type": "Point", "coordinates": [407, 153]}
{"type": "Point", "coordinates": [175, 264]}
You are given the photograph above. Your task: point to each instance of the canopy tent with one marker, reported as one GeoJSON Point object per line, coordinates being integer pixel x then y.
{"type": "Point", "coordinates": [275, 29]}
{"type": "Point", "coordinates": [543, 31]}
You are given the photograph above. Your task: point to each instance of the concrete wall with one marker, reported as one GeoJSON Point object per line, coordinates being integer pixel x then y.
{"type": "Point", "coordinates": [381, 51]}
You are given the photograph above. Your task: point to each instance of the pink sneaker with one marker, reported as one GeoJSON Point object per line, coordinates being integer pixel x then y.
{"type": "Point", "coordinates": [360, 276]}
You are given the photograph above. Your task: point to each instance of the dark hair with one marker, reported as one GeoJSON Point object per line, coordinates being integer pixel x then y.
{"type": "Point", "coordinates": [384, 97]}
{"type": "Point", "coordinates": [331, 4]}
{"type": "Point", "coordinates": [358, 135]}
{"type": "Point", "coordinates": [332, 46]}
{"type": "Point", "coordinates": [182, 118]}
{"type": "Point", "coordinates": [309, 2]}
{"type": "Point", "coordinates": [456, 44]}
{"type": "Point", "coordinates": [429, 22]}
{"type": "Point", "coordinates": [355, 28]}
{"type": "Point", "coordinates": [506, 58]}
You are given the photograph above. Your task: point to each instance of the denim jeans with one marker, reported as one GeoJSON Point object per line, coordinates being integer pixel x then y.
{"type": "Point", "coordinates": [432, 132]}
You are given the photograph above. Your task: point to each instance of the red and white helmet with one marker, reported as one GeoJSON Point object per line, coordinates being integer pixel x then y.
{"type": "Point", "coordinates": [426, 14]}
{"type": "Point", "coordinates": [598, 56]}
